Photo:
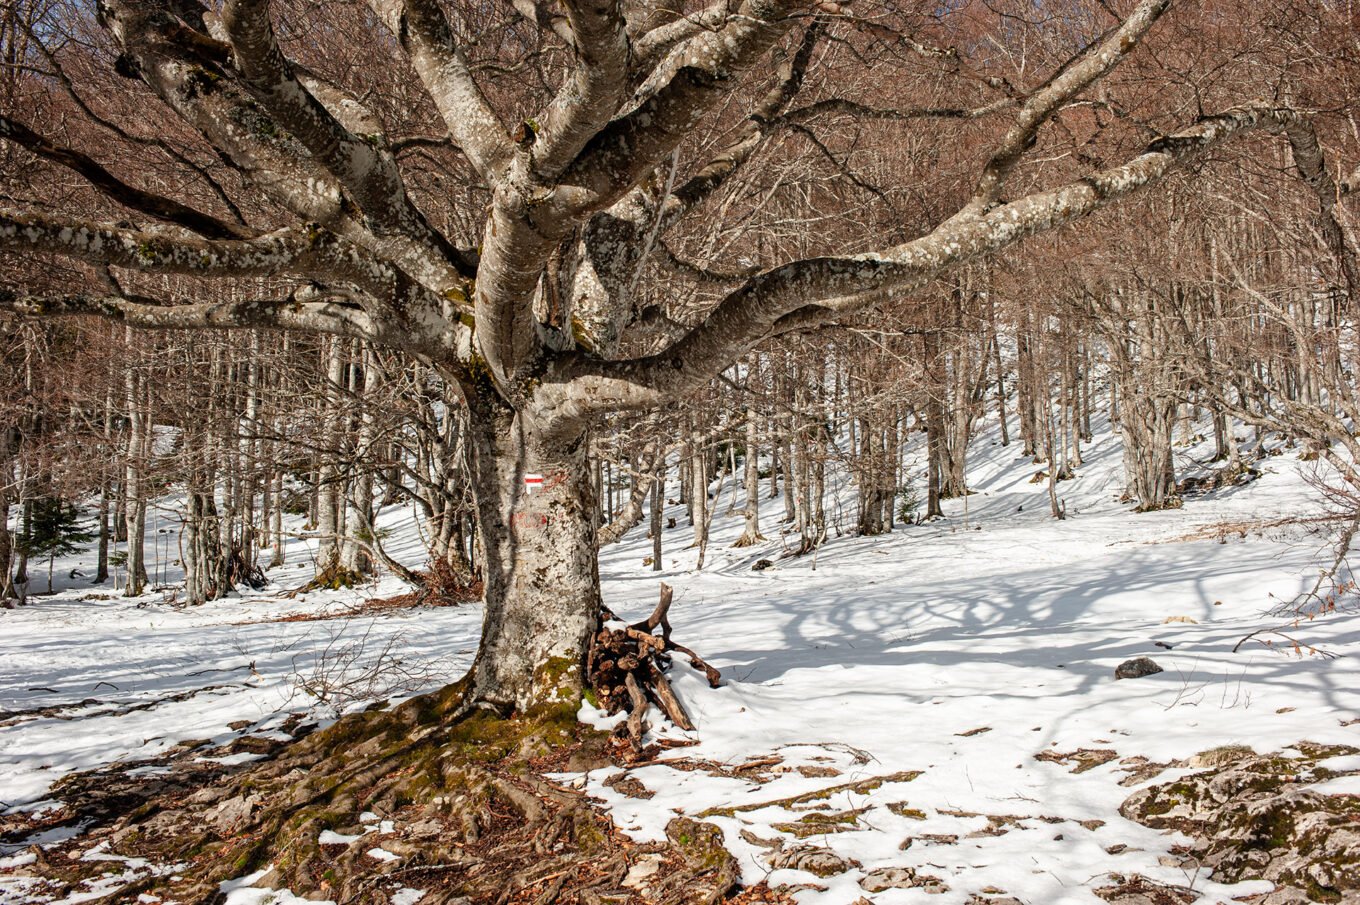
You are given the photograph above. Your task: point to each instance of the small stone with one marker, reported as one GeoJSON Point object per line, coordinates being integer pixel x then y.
{"type": "Point", "coordinates": [883, 878]}
{"type": "Point", "coordinates": [628, 785]}
{"type": "Point", "coordinates": [642, 871]}
{"type": "Point", "coordinates": [938, 838]}
{"type": "Point", "coordinates": [426, 829]}
{"type": "Point", "coordinates": [1221, 756]}
{"type": "Point", "coordinates": [761, 565]}
{"type": "Point", "coordinates": [815, 772]}
{"type": "Point", "coordinates": [814, 859]}
{"type": "Point", "coordinates": [1136, 668]}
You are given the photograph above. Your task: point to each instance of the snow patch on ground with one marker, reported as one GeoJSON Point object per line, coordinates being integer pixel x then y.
{"type": "Point", "coordinates": [959, 651]}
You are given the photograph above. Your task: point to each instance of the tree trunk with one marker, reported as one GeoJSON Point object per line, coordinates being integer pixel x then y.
{"type": "Point", "coordinates": [1146, 428]}
{"type": "Point", "coordinates": [658, 504]}
{"type": "Point", "coordinates": [698, 490]}
{"type": "Point", "coordinates": [135, 512]}
{"type": "Point", "coordinates": [361, 524]}
{"type": "Point", "coordinates": [330, 494]}
{"type": "Point", "coordinates": [643, 469]}
{"type": "Point", "coordinates": [542, 583]}
{"type": "Point", "coordinates": [6, 541]}
{"type": "Point", "coordinates": [751, 535]}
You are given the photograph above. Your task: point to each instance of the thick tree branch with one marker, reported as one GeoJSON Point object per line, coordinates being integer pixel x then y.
{"type": "Point", "coordinates": [1079, 73]}
{"type": "Point", "coordinates": [842, 107]}
{"type": "Point", "coordinates": [1312, 166]}
{"type": "Point", "coordinates": [310, 317]}
{"type": "Point", "coordinates": [630, 147]}
{"type": "Point", "coordinates": [206, 98]}
{"type": "Point", "coordinates": [367, 171]}
{"type": "Point", "coordinates": [592, 93]}
{"type": "Point", "coordinates": [149, 203]}
{"type": "Point", "coordinates": [749, 136]}
{"type": "Point", "coordinates": [655, 43]}
{"type": "Point", "coordinates": [69, 88]}
{"type": "Point", "coordinates": [308, 253]}
{"type": "Point", "coordinates": [539, 13]}
{"type": "Point", "coordinates": [425, 36]}
{"type": "Point", "coordinates": [817, 291]}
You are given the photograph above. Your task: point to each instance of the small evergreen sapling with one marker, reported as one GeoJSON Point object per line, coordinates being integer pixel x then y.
{"type": "Point", "coordinates": [53, 529]}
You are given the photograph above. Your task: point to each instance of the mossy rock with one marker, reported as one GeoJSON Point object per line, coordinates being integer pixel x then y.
{"type": "Point", "coordinates": [712, 873]}
{"type": "Point", "coordinates": [818, 823]}
{"type": "Point", "coordinates": [1262, 817]}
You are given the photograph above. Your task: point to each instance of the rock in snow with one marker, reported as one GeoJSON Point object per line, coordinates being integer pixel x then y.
{"type": "Point", "coordinates": [1136, 668]}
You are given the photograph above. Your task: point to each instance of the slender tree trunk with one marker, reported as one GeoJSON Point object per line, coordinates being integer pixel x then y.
{"type": "Point", "coordinates": [358, 556]}
{"type": "Point", "coordinates": [658, 505]}
{"type": "Point", "coordinates": [698, 490]}
{"type": "Point", "coordinates": [330, 499]}
{"type": "Point", "coordinates": [20, 582]}
{"type": "Point", "coordinates": [135, 512]}
{"type": "Point", "coordinates": [6, 540]}
{"type": "Point", "coordinates": [101, 568]}
{"type": "Point", "coordinates": [276, 558]}
{"type": "Point", "coordinates": [643, 467]}
{"type": "Point", "coordinates": [1000, 372]}
{"type": "Point", "coordinates": [751, 535]}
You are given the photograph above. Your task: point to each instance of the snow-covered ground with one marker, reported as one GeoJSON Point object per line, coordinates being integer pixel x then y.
{"type": "Point", "coordinates": [940, 659]}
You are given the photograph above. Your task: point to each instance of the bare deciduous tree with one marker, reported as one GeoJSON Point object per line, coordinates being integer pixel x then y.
{"type": "Point", "coordinates": [541, 292]}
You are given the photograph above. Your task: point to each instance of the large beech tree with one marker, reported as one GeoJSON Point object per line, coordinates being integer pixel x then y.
{"type": "Point", "coordinates": [549, 309]}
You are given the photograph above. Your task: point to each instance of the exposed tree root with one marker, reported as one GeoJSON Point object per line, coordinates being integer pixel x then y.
{"type": "Point", "coordinates": [469, 815]}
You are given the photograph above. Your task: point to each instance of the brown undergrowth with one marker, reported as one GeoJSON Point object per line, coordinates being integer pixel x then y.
{"type": "Point", "coordinates": [441, 586]}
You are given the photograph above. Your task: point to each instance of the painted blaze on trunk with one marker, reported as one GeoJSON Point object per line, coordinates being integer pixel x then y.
{"type": "Point", "coordinates": [542, 596]}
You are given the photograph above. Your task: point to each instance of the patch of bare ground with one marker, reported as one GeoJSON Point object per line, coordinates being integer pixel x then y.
{"type": "Point", "coordinates": [439, 587]}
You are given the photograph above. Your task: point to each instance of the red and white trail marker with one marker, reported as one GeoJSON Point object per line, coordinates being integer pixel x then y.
{"type": "Point", "coordinates": [532, 482]}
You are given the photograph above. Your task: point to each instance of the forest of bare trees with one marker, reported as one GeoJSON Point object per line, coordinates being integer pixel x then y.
{"type": "Point", "coordinates": [1226, 289]}
{"type": "Point", "coordinates": [265, 262]}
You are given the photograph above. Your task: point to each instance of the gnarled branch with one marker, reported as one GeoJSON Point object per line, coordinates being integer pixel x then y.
{"type": "Point", "coordinates": [424, 33]}
{"type": "Point", "coordinates": [1091, 64]}
{"type": "Point", "coordinates": [255, 314]}
{"type": "Point", "coordinates": [816, 291]}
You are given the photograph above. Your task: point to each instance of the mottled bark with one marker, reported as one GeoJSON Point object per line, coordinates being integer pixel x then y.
{"type": "Point", "coordinates": [580, 196]}
{"type": "Point", "coordinates": [542, 580]}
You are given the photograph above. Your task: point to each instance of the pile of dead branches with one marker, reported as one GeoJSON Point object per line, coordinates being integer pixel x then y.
{"type": "Point", "coordinates": [627, 669]}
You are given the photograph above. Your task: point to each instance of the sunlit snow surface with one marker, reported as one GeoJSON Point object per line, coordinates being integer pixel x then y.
{"type": "Point", "coordinates": [873, 658]}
